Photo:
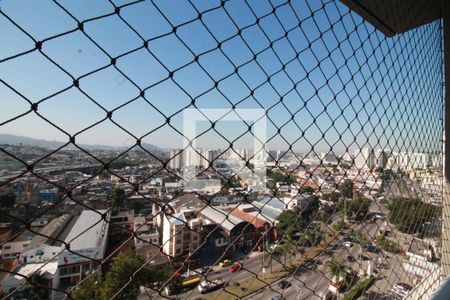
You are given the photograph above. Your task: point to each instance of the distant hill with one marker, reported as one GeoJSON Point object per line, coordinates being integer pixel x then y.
{"type": "Point", "coordinates": [16, 140]}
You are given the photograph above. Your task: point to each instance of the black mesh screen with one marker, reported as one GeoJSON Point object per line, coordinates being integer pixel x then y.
{"type": "Point", "coordinates": [217, 150]}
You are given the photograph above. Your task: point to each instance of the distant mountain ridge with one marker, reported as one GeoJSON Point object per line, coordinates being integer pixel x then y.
{"type": "Point", "coordinates": [17, 140]}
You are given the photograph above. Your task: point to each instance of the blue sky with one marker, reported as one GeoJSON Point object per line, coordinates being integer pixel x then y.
{"type": "Point", "coordinates": [358, 67]}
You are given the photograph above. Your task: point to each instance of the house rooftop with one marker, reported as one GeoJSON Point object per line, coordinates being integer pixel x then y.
{"type": "Point", "coordinates": [419, 247]}
{"type": "Point", "coordinates": [89, 231]}
{"type": "Point", "coordinates": [256, 220]}
{"type": "Point", "coordinates": [44, 268]}
{"type": "Point", "coordinates": [220, 217]}
{"type": "Point", "coordinates": [51, 233]}
{"type": "Point", "coordinates": [177, 219]}
{"type": "Point", "coordinates": [184, 201]}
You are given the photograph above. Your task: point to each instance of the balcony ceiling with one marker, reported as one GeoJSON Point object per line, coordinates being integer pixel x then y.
{"type": "Point", "coordinates": [396, 16]}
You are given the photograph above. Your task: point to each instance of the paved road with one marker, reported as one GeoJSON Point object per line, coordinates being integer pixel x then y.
{"type": "Point", "coordinates": [251, 265]}
{"type": "Point", "coordinates": [312, 281]}
{"type": "Point", "coordinates": [313, 284]}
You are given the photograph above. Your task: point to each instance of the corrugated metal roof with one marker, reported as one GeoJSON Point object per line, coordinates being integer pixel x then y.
{"type": "Point", "coordinates": [50, 232]}
{"type": "Point", "coordinates": [88, 231]}
{"type": "Point", "coordinates": [220, 217]}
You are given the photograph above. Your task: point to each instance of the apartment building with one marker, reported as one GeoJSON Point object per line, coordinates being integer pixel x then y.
{"type": "Point", "coordinates": [87, 238]}
{"type": "Point", "coordinates": [180, 233]}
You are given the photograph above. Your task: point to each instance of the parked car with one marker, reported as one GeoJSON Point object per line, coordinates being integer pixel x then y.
{"type": "Point", "coordinates": [236, 267]}
{"type": "Point", "coordinates": [225, 263]}
{"type": "Point", "coordinates": [400, 290]}
{"type": "Point", "coordinates": [284, 284]}
{"type": "Point", "coordinates": [348, 244]}
{"type": "Point", "coordinates": [402, 286]}
{"type": "Point", "coordinates": [373, 249]}
{"type": "Point", "coordinates": [380, 216]}
{"type": "Point", "coordinates": [348, 239]}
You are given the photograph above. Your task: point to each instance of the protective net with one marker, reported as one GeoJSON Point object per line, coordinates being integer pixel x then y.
{"type": "Point", "coordinates": [218, 150]}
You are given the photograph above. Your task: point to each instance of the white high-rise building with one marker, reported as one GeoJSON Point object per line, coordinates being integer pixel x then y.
{"type": "Point", "coordinates": [273, 155]}
{"type": "Point", "coordinates": [419, 161]}
{"type": "Point", "coordinates": [413, 161]}
{"type": "Point", "coordinates": [364, 159]}
{"type": "Point", "coordinates": [176, 159]}
{"type": "Point", "coordinates": [381, 157]}
{"type": "Point", "coordinates": [207, 158]}
{"type": "Point", "coordinates": [191, 157]}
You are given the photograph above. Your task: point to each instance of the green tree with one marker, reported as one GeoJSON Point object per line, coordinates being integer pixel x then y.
{"type": "Point", "coordinates": [123, 274]}
{"type": "Point", "coordinates": [36, 288]}
{"type": "Point", "coordinates": [290, 222]}
{"type": "Point", "coordinates": [336, 266]}
{"type": "Point", "coordinates": [355, 207]}
{"type": "Point", "coordinates": [357, 291]}
{"type": "Point", "coordinates": [340, 226]}
{"type": "Point", "coordinates": [325, 217]}
{"type": "Point", "coordinates": [7, 199]}
{"type": "Point", "coordinates": [275, 176]}
{"type": "Point", "coordinates": [339, 270]}
{"type": "Point", "coordinates": [409, 215]}
{"type": "Point", "coordinates": [346, 188]}
{"type": "Point", "coordinates": [289, 248]}
{"type": "Point", "coordinates": [117, 198]}
{"type": "Point", "coordinates": [333, 196]}
{"type": "Point", "coordinates": [361, 238]}
{"type": "Point", "coordinates": [388, 245]}
{"type": "Point", "coordinates": [89, 289]}
{"type": "Point", "coordinates": [157, 275]}
{"type": "Point", "coordinates": [312, 235]}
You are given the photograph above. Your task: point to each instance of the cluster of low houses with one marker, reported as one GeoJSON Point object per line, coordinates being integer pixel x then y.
{"type": "Point", "coordinates": [172, 231]}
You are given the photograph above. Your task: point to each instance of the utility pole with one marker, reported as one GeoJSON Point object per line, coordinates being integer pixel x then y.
{"type": "Point", "coordinates": [264, 252]}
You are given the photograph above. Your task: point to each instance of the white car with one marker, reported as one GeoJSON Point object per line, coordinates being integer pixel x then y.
{"type": "Point", "coordinates": [348, 244]}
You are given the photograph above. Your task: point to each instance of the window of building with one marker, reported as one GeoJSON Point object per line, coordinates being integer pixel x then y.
{"type": "Point", "coordinates": [63, 271]}
{"type": "Point", "coordinates": [65, 282]}
{"type": "Point", "coordinates": [74, 269]}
